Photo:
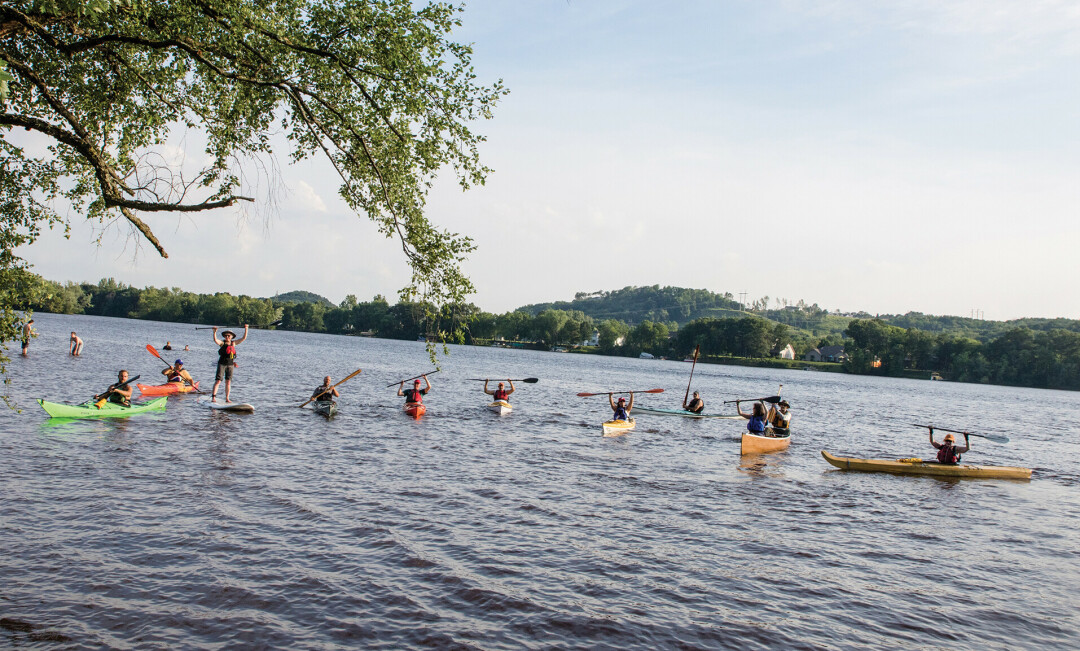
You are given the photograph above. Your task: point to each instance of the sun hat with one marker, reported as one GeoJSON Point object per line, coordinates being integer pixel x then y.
{"type": "Point", "coordinates": [229, 333]}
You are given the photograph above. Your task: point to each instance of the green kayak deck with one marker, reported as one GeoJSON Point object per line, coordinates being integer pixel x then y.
{"type": "Point", "coordinates": [108, 410]}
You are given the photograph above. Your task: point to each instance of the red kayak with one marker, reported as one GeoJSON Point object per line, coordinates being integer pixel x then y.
{"type": "Point", "coordinates": [415, 409]}
{"type": "Point", "coordinates": [167, 389]}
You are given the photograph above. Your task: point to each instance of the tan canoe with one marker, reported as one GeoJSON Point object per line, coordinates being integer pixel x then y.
{"type": "Point", "coordinates": [920, 467]}
{"type": "Point", "coordinates": [770, 442]}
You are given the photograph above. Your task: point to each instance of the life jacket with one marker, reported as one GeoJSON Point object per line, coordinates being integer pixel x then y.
{"type": "Point", "coordinates": [119, 399]}
{"type": "Point", "coordinates": [174, 376]}
{"type": "Point", "coordinates": [323, 392]}
{"type": "Point", "coordinates": [696, 406]}
{"type": "Point", "coordinates": [781, 420]}
{"type": "Point", "coordinates": [756, 425]}
{"type": "Point", "coordinates": [413, 395]}
{"type": "Point", "coordinates": [501, 394]}
{"type": "Point", "coordinates": [947, 454]}
{"type": "Point", "coordinates": [226, 354]}
{"type": "Point", "coordinates": [620, 414]}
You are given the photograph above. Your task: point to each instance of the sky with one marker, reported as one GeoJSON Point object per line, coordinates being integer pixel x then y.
{"type": "Point", "coordinates": [862, 155]}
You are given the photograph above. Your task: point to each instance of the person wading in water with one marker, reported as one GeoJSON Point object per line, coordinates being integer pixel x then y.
{"type": "Point", "coordinates": [226, 360]}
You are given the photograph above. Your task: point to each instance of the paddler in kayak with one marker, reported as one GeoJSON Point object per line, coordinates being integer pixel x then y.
{"type": "Point", "coordinates": [779, 417]}
{"type": "Point", "coordinates": [695, 406]}
{"type": "Point", "coordinates": [415, 394]}
{"type": "Point", "coordinates": [758, 417]}
{"type": "Point", "coordinates": [948, 452]}
{"type": "Point", "coordinates": [177, 373]}
{"type": "Point", "coordinates": [226, 360]}
{"type": "Point", "coordinates": [621, 408]}
{"type": "Point", "coordinates": [501, 393]}
{"type": "Point", "coordinates": [325, 391]}
{"type": "Point", "coordinates": [119, 393]}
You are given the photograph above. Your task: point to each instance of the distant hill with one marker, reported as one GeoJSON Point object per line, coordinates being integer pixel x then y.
{"type": "Point", "coordinates": [636, 304]}
{"type": "Point", "coordinates": [300, 296]}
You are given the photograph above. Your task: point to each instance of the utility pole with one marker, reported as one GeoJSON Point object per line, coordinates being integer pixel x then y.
{"type": "Point", "coordinates": [742, 299]}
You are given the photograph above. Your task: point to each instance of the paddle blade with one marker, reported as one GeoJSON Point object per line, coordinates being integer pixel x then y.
{"type": "Point", "coordinates": [153, 351]}
{"type": "Point", "coordinates": [530, 380]}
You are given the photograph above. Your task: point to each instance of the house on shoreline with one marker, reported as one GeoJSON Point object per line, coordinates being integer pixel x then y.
{"type": "Point", "coordinates": [825, 354]}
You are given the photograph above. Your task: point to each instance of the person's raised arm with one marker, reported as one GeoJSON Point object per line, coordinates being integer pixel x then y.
{"type": "Point", "coordinates": [932, 441]}
{"type": "Point", "coordinates": [490, 393]}
{"type": "Point", "coordinates": [512, 389]}
{"type": "Point", "coordinates": [427, 384]}
{"type": "Point", "coordinates": [401, 389]}
{"type": "Point", "coordinates": [738, 408]}
{"type": "Point", "coordinates": [216, 340]}
{"type": "Point", "coordinates": [611, 401]}
{"type": "Point", "coordinates": [241, 339]}
{"type": "Point", "coordinates": [967, 444]}
{"type": "Point", "coordinates": [631, 405]}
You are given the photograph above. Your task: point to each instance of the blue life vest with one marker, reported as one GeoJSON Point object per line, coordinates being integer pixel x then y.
{"type": "Point", "coordinates": [756, 425]}
{"type": "Point", "coordinates": [620, 414]}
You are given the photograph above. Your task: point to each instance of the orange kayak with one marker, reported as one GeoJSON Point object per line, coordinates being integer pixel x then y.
{"type": "Point", "coordinates": [167, 389]}
{"type": "Point", "coordinates": [415, 409]}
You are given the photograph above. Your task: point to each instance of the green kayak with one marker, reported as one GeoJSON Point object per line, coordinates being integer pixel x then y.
{"type": "Point", "coordinates": [109, 410]}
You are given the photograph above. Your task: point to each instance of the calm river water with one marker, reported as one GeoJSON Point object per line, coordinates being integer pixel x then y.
{"type": "Point", "coordinates": [189, 528]}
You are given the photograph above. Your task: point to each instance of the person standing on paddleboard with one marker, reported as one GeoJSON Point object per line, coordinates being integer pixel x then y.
{"type": "Point", "coordinates": [695, 406]}
{"type": "Point", "coordinates": [325, 391]}
{"type": "Point", "coordinates": [415, 394]}
{"type": "Point", "coordinates": [621, 409]}
{"type": "Point", "coordinates": [948, 452]}
{"type": "Point", "coordinates": [500, 393]}
{"type": "Point", "coordinates": [226, 360]}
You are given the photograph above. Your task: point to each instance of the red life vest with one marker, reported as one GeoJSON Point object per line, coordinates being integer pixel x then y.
{"type": "Point", "coordinates": [947, 454]}
{"type": "Point", "coordinates": [501, 394]}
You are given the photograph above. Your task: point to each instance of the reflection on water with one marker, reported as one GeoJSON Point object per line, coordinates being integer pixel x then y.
{"type": "Point", "coordinates": [193, 528]}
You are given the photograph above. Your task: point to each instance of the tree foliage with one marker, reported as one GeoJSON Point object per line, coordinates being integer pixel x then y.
{"type": "Point", "coordinates": [375, 87]}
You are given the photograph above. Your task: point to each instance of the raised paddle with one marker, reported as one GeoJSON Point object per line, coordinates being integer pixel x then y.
{"type": "Point", "coordinates": [996, 438]}
{"type": "Point", "coordinates": [414, 378]}
{"type": "Point", "coordinates": [347, 378]}
{"type": "Point", "coordinates": [528, 380]}
{"type": "Point", "coordinates": [615, 393]}
{"type": "Point", "coordinates": [100, 399]}
{"type": "Point", "coordinates": [697, 349]}
{"type": "Point", "coordinates": [153, 351]}
{"type": "Point", "coordinates": [771, 400]}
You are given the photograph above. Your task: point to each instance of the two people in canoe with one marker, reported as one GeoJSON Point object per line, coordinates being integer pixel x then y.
{"type": "Point", "coordinates": [948, 452]}
{"type": "Point", "coordinates": [76, 345]}
{"type": "Point", "coordinates": [416, 394]}
{"type": "Point", "coordinates": [325, 392]}
{"type": "Point", "coordinates": [226, 360]}
{"type": "Point", "coordinates": [177, 373]}
{"type": "Point", "coordinates": [621, 408]}
{"type": "Point", "coordinates": [776, 420]}
{"type": "Point", "coordinates": [696, 405]}
{"type": "Point", "coordinates": [501, 393]}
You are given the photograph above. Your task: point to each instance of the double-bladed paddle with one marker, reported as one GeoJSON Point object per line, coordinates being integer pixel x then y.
{"type": "Point", "coordinates": [697, 349]}
{"type": "Point", "coordinates": [615, 393]}
{"type": "Point", "coordinates": [528, 380]}
{"type": "Point", "coordinates": [414, 378]}
{"type": "Point", "coordinates": [996, 438]}
{"type": "Point", "coordinates": [343, 381]}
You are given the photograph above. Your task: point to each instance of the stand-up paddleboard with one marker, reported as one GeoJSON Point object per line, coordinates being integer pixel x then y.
{"type": "Point", "coordinates": [234, 407]}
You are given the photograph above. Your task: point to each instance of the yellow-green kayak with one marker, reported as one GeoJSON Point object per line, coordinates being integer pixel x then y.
{"type": "Point", "coordinates": [921, 467]}
{"type": "Point", "coordinates": [108, 410]}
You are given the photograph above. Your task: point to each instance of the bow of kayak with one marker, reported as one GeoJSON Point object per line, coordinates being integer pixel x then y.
{"type": "Point", "coordinates": [501, 407]}
{"type": "Point", "coordinates": [618, 427]}
{"type": "Point", "coordinates": [325, 407]}
{"type": "Point", "coordinates": [415, 409]}
{"type": "Point", "coordinates": [108, 410]}
{"type": "Point", "coordinates": [920, 467]}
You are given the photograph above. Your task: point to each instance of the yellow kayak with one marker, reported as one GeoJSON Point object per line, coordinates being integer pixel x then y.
{"type": "Point", "coordinates": [618, 427]}
{"type": "Point", "coordinates": [501, 407]}
{"type": "Point", "coordinates": [921, 467]}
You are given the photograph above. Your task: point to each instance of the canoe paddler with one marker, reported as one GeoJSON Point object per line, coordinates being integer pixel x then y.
{"type": "Point", "coordinates": [177, 373]}
{"type": "Point", "coordinates": [415, 394]}
{"type": "Point", "coordinates": [226, 360]}
{"type": "Point", "coordinates": [621, 408]}
{"type": "Point", "coordinates": [948, 452]}
{"type": "Point", "coordinates": [695, 406]}
{"type": "Point", "coordinates": [119, 393]}
{"type": "Point", "coordinates": [757, 417]}
{"type": "Point", "coordinates": [325, 391]}
{"type": "Point", "coordinates": [501, 393]}
{"type": "Point", "coordinates": [779, 417]}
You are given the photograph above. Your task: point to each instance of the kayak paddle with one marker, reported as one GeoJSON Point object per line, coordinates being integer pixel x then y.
{"type": "Point", "coordinates": [771, 399]}
{"type": "Point", "coordinates": [414, 378]}
{"type": "Point", "coordinates": [615, 393]}
{"type": "Point", "coordinates": [697, 349]}
{"type": "Point", "coordinates": [528, 380]}
{"type": "Point", "coordinates": [347, 378]}
{"type": "Point", "coordinates": [99, 400]}
{"type": "Point", "coordinates": [996, 438]}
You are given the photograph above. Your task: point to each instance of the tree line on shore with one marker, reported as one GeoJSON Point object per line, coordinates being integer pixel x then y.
{"type": "Point", "coordinates": [1020, 356]}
